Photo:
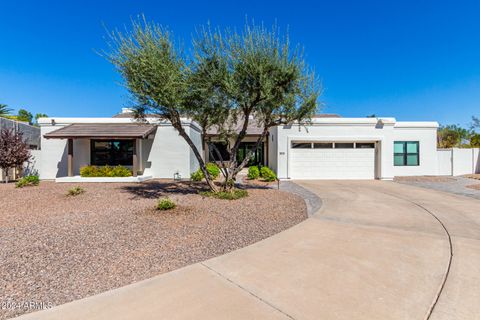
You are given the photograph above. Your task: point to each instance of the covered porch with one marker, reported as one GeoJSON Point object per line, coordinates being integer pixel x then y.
{"type": "Point", "coordinates": [102, 144]}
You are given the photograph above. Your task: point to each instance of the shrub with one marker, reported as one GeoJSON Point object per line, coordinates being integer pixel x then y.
{"type": "Point", "coordinates": [225, 195]}
{"type": "Point", "coordinates": [212, 169]}
{"type": "Point", "coordinates": [197, 175]}
{"type": "Point", "coordinates": [105, 171]}
{"type": "Point", "coordinates": [253, 172]}
{"type": "Point", "coordinates": [75, 191]}
{"type": "Point", "coordinates": [28, 181]}
{"type": "Point", "coordinates": [267, 174]}
{"type": "Point", "coordinates": [165, 204]}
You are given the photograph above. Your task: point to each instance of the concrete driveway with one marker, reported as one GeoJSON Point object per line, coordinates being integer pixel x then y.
{"type": "Point", "coordinates": [375, 250]}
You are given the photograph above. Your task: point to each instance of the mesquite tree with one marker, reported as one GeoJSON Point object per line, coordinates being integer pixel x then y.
{"type": "Point", "coordinates": [13, 150]}
{"type": "Point", "coordinates": [229, 78]}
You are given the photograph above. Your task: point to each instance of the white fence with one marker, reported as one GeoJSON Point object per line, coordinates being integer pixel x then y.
{"type": "Point", "coordinates": [455, 161]}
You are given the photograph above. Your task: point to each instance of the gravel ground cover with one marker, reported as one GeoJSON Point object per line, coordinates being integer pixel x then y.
{"type": "Point", "coordinates": [55, 248]}
{"type": "Point", "coordinates": [474, 186]}
{"type": "Point", "coordinates": [457, 185]}
{"type": "Point", "coordinates": [424, 179]}
{"type": "Point", "coordinates": [473, 176]}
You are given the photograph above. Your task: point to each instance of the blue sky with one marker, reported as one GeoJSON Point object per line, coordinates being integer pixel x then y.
{"type": "Point", "coordinates": [413, 60]}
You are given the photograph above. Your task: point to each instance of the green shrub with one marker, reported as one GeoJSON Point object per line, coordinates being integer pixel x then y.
{"type": "Point", "coordinates": [105, 171]}
{"type": "Point", "coordinates": [165, 204]}
{"type": "Point", "coordinates": [267, 174]}
{"type": "Point", "coordinates": [197, 175]}
{"type": "Point", "coordinates": [253, 172]}
{"type": "Point", "coordinates": [28, 181]}
{"type": "Point", "coordinates": [212, 169]}
{"type": "Point", "coordinates": [225, 195]}
{"type": "Point", "coordinates": [75, 191]}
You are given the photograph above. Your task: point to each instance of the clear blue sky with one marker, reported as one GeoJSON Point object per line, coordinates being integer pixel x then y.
{"type": "Point", "coordinates": [413, 60]}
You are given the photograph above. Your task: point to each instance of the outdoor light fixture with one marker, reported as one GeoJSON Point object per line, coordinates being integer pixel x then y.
{"type": "Point", "coordinates": [177, 176]}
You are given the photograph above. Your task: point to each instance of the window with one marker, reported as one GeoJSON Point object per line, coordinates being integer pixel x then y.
{"type": "Point", "coordinates": [301, 145]}
{"type": "Point", "coordinates": [406, 153]}
{"type": "Point", "coordinates": [111, 152]}
{"type": "Point", "coordinates": [343, 145]}
{"type": "Point", "coordinates": [365, 145]}
{"type": "Point", "coordinates": [222, 149]}
{"type": "Point", "coordinates": [323, 145]}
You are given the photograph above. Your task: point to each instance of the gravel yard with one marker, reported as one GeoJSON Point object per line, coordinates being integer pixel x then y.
{"type": "Point", "coordinates": [55, 249]}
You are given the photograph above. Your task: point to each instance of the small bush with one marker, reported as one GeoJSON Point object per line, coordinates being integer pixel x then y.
{"type": "Point", "coordinates": [197, 175]}
{"type": "Point", "coordinates": [165, 204]}
{"type": "Point", "coordinates": [267, 174]}
{"type": "Point", "coordinates": [75, 191]}
{"type": "Point", "coordinates": [28, 181]}
{"type": "Point", "coordinates": [212, 169]}
{"type": "Point", "coordinates": [225, 195]}
{"type": "Point", "coordinates": [253, 173]}
{"type": "Point", "coordinates": [105, 171]}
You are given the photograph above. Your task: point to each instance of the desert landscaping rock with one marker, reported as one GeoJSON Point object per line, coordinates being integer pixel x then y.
{"type": "Point", "coordinates": [55, 249]}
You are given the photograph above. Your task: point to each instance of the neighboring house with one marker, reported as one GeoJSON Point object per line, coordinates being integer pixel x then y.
{"type": "Point", "coordinates": [330, 147]}
{"type": "Point", "coordinates": [30, 133]}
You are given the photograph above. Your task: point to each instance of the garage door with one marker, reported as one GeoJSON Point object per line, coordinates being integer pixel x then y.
{"type": "Point", "coordinates": [332, 160]}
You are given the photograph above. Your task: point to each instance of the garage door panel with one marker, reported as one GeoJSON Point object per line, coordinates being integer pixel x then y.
{"type": "Point", "coordinates": [332, 163]}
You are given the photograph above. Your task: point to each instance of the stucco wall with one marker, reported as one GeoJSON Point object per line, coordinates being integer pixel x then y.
{"type": "Point", "coordinates": [427, 138]}
{"type": "Point", "coordinates": [458, 161]}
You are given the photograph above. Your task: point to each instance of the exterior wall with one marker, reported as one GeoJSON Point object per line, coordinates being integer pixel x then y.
{"type": "Point", "coordinates": [196, 136]}
{"type": "Point", "coordinates": [427, 138]}
{"type": "Point", "coordinates": [458, 161]}
{"type": "Point", "coordinates": [383, 131]}
{"type": "Point", "coordinates": [161, 155]}
{"type": "Point", "coordinates": [338, 129]}
{"type": "Point", "coordinates": [444, 162]}
{"type": "Point", "coordinates": [273, 149]}
{"type": "Point", "coordinates": [30, 133]}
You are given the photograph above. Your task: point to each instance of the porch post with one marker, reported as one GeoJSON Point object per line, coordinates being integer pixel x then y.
{"type": "Point", "coordinates": [70, 157]}
{"type": "Point", "coordinates": [135, 160]}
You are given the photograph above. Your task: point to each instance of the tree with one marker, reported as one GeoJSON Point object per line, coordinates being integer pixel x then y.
{"type": "Point", "coordinates": [475, 141]}
{"type": "Point", "coordinates": [230, 78]}
{"type": "Point", "coordinates": [25, 116]}
{"type": "Point", "coordinates": [4, 110]}
{"type": "Point", "coordinates": [475, 123]}
{"type": "Point", "coordinates": [13, 150]}
{"type": "Point", "coordinates": [453, 136]}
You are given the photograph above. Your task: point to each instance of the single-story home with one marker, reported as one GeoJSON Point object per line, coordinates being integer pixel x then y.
{"type": "Point", "coordinates": [330, 147]}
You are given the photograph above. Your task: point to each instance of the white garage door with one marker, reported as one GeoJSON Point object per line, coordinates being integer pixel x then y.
{"type": "Point", "coordinates": [310, 160]}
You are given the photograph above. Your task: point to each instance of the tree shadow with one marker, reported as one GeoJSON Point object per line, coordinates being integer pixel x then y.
{"type": "Point", "coordinates": [156, 189]}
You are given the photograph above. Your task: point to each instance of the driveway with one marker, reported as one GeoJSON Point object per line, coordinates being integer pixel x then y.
{"type": "Point", "coordinates": [375, 250]}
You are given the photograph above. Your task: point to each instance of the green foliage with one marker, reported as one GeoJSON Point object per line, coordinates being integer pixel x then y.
{"type": "Point", "coordinates": [165, 204]}
{"type": "Point", "coordinates": [197, 175]}
{"type": "Point", "coordinates": [231, 77]}
{"type": "Point", "coordinates": [452, 136]}
{"type": "Point", "coordinates": [105, 171]}
{"type": "Point", "coordinates": [4, 110]}
{"type": "Point", "coordinates": [75, 191]}
{"type": "Point", "coordinates": [28, 181]}
{"type": "Point", "coordinates": [267, 174]}
{"type": "Point", "coordinates": [25, 116]}
{"type": "Point", "coordinates": [38, 116]}
{"type": "Point", "coordinates": [226, 195]}
{"type": "Point", "coordinates": [212, 169]}
{"type": "Point", "coordinates": [475, 123]}
{"type": "Point", "coordinates": [253, 172]}
{"type": "Point", "coordinates": [475, 141]}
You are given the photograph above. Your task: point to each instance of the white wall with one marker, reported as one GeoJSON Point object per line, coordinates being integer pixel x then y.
{"type": "Point", "coordinates": [196, 137]}
{"type": "Point", "coordinates": [458, 161]}
{"type": "Point", "coordinates": [384, 131]}
{"type": "Point", "coordinates": [273, 149]}
{"type": "Point", "coordinates": [427, 138]}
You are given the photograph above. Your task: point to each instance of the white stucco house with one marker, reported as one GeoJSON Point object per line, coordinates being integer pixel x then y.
{"type": "Point", "coordinates": [330, 147]}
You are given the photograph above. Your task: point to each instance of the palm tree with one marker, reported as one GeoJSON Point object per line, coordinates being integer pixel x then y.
{"type": "Point", "coordinates": [4, 110]}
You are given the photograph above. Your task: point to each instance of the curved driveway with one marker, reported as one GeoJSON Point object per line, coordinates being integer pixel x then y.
{"type": "Point", "coordinates": [376, 250]}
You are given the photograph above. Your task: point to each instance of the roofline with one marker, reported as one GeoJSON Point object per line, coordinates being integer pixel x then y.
{"type": "Point", "coordinates": [62, 121]}
{"type": "Point", "coordinates": [417, 124]}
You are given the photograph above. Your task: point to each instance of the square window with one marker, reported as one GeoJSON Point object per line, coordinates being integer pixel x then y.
{"type": "Point", "coordinates": [406, 153]}
{"type": "Point", "coordinates": [365, 145]}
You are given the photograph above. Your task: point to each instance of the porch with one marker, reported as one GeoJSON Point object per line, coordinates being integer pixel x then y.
{"type": "Point", "coordinates": [103, 144]}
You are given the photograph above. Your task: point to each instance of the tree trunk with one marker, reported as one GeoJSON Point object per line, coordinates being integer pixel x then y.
{"type": "Point", "coordinates": [177, 124]}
